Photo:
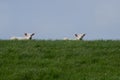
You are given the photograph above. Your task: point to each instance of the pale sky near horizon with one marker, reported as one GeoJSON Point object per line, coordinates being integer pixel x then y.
{"type": "Point", "coordinates": [56, 19]}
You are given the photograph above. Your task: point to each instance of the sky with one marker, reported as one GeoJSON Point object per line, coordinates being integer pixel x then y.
{"type": "Point", "coordinates": [56, 19]}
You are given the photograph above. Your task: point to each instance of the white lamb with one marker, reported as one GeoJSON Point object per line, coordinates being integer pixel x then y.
{"type": "Point", "coordinates": [79, 36]}
{"type": "Point", "coordinates": [65, 38]}
{"type": "Point", "coordinates": [26, 37]}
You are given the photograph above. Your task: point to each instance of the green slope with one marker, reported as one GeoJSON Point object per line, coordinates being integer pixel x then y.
{"type": "Point", "coordinates": [59, 60]}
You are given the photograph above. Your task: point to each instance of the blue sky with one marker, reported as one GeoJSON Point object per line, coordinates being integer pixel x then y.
{"type": "Point", "coordinates": [56, 19]}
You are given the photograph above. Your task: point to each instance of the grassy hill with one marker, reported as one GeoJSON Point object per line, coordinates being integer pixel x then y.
{"type": "Point", "coordinates": [59, 60]}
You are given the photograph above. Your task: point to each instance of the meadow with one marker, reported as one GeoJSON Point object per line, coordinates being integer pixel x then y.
{"type": "Point", "coordinates": [59, 60]}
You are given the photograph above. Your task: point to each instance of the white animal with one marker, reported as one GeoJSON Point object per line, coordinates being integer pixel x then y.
{"type": "Point", "coordinates": [79, 36]}
{"type": "Point", "coordinates": [26, 37]}
{"type": "Point", "coordinates": [65, 38]}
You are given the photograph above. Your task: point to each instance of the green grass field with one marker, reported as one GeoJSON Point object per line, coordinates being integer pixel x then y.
{"type": "Point", "coordinates": [59, 60]}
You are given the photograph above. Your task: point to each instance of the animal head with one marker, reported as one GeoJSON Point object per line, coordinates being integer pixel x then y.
{"type": "Point", "coordinates": [29, 36]}
{"type": "Point", "coordinates": [79, 36]}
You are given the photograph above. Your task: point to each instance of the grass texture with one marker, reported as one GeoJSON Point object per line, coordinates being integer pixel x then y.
{"type": "Point", "coordinates": [59, 60]}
